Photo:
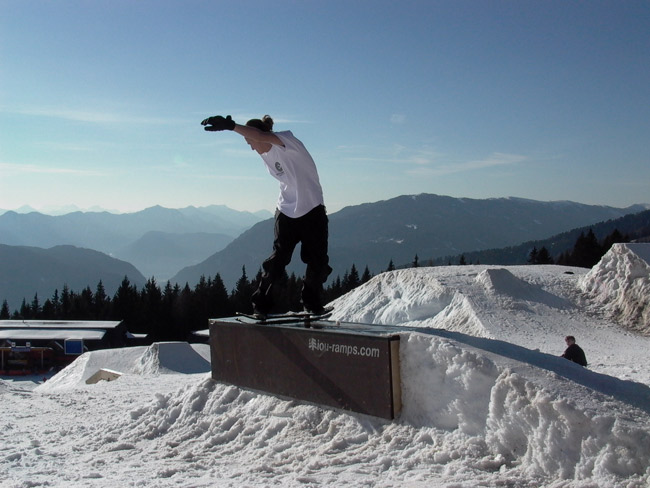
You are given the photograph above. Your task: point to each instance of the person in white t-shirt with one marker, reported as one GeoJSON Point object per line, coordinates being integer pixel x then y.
{"type": "Point", "coordinates": [300, 216]}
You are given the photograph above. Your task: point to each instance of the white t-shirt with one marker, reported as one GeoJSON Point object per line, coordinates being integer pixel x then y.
{"type": "Point", "coordinates": [294, 168]}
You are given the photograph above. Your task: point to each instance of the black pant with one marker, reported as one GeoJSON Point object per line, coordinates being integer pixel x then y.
{"type": "Point", "coordinates": [311, 230]}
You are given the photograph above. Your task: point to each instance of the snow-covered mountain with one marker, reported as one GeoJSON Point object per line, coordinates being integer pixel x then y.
{"type": "Point", "coordinates": [487, 401]}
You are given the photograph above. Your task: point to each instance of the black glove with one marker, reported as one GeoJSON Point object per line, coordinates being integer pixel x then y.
{"type": "Point", "coordinates": [218, 123]}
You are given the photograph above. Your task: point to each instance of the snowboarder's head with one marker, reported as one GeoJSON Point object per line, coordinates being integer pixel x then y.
{"type": "Point", "coordinates": [570, 340]}
{"type": "Point", "coordinates": [265, 124]}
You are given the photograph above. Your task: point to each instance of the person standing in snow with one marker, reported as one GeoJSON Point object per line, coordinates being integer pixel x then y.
{"type": "Point", "coordinates": [300, 214]}
{"type": "Point", "coordinates": [574, 352]}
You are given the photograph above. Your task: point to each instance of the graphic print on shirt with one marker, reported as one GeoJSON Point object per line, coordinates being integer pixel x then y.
{"type": "Point", "coordinates": [279, 171]}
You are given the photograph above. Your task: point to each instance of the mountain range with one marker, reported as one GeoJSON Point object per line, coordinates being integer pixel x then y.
{"type": "Point", "coordinates": [202, 241]}
{"type": "Point", "coordinates": [26, 272]}
{"type": "Point", "coordinates": [430, 226]}
{"type": "Point", "coordinates": [636, 226]}
{"type": "Point", "coordinates": [158, 241]}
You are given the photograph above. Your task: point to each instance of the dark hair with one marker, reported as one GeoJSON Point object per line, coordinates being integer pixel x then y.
{"type": "Point", "coordinates": [266, 124]}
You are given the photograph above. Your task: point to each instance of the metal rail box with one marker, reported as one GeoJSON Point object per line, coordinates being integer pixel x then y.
{"type": "Point", "coordinates": [351, 367]}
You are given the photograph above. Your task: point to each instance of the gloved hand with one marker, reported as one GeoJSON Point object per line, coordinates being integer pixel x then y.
{"type": "Point", "coordinates": [218, 123]}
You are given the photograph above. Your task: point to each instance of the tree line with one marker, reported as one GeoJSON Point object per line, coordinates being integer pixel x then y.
{"type": "Point", "coordinates": [586, 252]}
{"type": "Point", "coordinates": [171, 312]}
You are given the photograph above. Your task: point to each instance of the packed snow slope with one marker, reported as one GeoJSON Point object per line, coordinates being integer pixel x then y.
{"type": "Point", "coordinates": [531, 306]}
{"type": "Point", "coordinates": [486, 399]}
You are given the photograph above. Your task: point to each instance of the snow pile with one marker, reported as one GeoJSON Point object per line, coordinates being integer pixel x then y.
{"type": "Point", "coordinates": [487, 401]}
{"type": "Point", "coordinates": [522, 416]}
{"type": "Point", "coordinates": [532, 306]}
{"type": "Point", "coordinates": [469, 414]}
{"type": "Point", "coordinates": [399, 297]}
{"type": "Point", "coordinates": [159, 358]}
{"type": "Point", "coordinates": [468, 299]}
{"type": "Point", "coordinates": [620, 285]}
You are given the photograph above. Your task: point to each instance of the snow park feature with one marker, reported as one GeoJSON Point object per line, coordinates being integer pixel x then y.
{"type": "Point", "coordinates": [311, 360]}
{"type": "Point", "coordinates": [486, 399]}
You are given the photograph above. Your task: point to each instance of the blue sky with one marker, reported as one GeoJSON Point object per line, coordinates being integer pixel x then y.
{"type": "Point", "coordinates": [100, 101]}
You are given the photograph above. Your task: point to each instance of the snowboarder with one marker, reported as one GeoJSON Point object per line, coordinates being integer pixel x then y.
{"type": "Point", "coordinates": [300, 214]}
{"type": "Point", "coordinates": [574, 352]}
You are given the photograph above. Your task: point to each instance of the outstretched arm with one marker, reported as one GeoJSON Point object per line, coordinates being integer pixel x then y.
{"type": "Point", "coordinates": [219, 123]}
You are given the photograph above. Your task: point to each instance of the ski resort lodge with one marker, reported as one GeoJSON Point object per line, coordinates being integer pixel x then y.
{"type": "Point", "coordinates": [35, 346]}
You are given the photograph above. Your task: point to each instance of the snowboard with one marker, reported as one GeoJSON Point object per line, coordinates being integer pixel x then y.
{"type": "Point", "coordinates": [289, 317]}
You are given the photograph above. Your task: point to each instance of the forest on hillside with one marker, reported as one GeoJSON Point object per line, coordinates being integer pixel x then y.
{"type": "Point", "coordinates": [173, 312]}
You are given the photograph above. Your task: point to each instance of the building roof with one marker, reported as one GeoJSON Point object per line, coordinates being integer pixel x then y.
{"type": "Point", "coordinates": [59, 324]}
{"type": "Point", "coordinates": [51, 334]}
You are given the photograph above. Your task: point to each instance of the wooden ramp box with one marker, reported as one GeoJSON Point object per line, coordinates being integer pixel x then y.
{"type": "Point", "coordinates": [348, 366]}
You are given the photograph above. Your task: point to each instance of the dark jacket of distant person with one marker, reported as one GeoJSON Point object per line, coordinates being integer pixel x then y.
{"type": "Point", "coordinates": [574, 352]}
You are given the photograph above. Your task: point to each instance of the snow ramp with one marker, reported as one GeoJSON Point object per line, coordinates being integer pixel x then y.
{"type": "Point", "coordinates": [173, 357]}
{"type": "Point", "coordinates": [511, 290]}
{"type": "Point", "coordinates": [159, 358]}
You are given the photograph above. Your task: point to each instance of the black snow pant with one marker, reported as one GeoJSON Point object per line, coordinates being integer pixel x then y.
{"type": "Point", "coordinates": [311, 230]}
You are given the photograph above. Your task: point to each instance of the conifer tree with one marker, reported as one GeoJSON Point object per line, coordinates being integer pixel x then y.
{"type": "Point", "coordinates": [335, 290]}
{"type": "Point", "coordinates": [185, 313]}
{"type": "Point", "coordinates": [241, 295]}
{"type": "Point", "coordinates": [81, 304]}
{"type": "Point", "coordinates": [126, 305]}
{"type": "Point", "coordinates": [47, 310]}
{"type": "Point", "coordinates": [366, 276]}
{"type": "Point", "coordinates": [166, 326]}
{"type": "Point", "coordinates": [220, 305]}
{"type": "Point", "coordinates": [150, 310]}
{"type": "Point", "coordinates": [25, 311]}
{"type": "Point", "coordinates": [36, 307]}
{"type": "Point", "coordinates": [66, 302]}
{"type": "Point", "coordinates": [586, 251]}
{"type": "Point", "coordinates": [4, 311]}
{"type": "Point", "coordinates": [56, 306]}
{"type": "Point", "coordinates": [544, 257]}
{"type": "Point", "coordinates": [101, 302]}
{"type": "Point", "coordinates": [351, 280]}
{"type": "Point", "coordinates": [200, 302]}
{"type": "Point", "coordinates": [614, 238]}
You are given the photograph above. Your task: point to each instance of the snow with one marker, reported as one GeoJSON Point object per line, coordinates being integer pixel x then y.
{"type": "Point", "coordinates": [487, 401]}
{"type": "Point", "coordinates": [619, 285]}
